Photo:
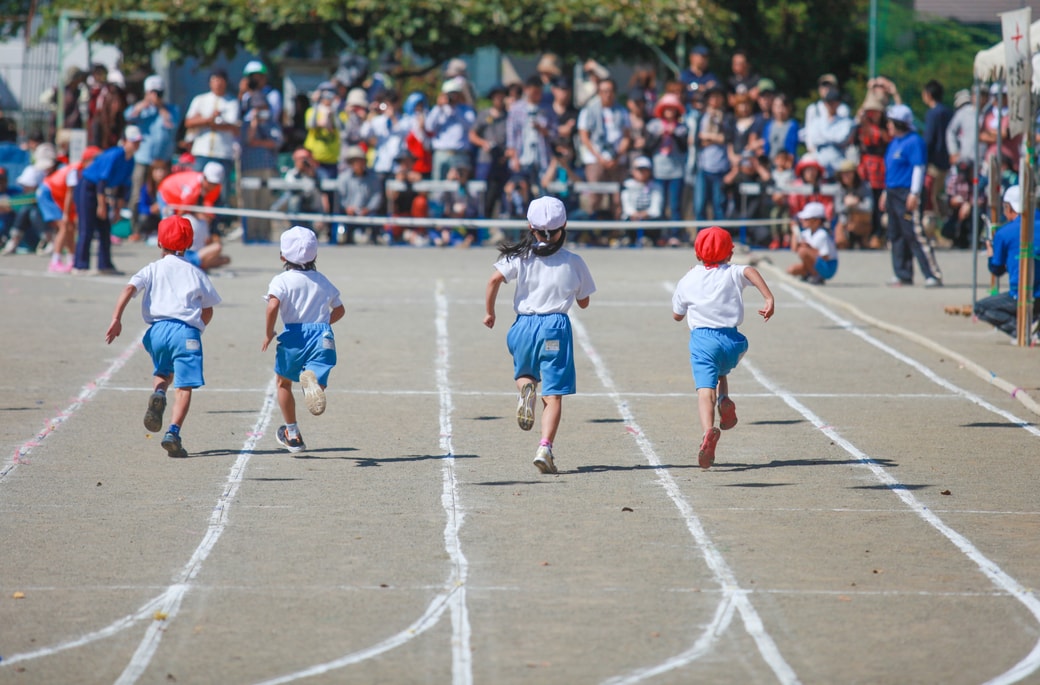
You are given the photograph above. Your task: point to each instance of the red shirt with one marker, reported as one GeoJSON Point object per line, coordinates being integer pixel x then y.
{"type": "Point", "coordinates": [185, 188]}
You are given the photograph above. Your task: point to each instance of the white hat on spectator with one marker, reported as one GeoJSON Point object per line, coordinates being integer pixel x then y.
{"type": "Point", "coordinates": [961, 97]}
{"type": "Point", "coordinates": [902, 114]}
{"type": "Point", "coordinates": [546, 213]}
{"type": "Point", "coordinates": [357, 97]}
{"type": "Point", "coordinates": [454, 85]}
{"type": "Point", "coordinates": [299, 245]}
{"type": "Point", "coordinates": [116, 78]}
{"type": "Point", "coordinates": [213, 172]}
{"type": "Point", "coordinates": [154, 83]}
{"type": "Point", "coordinates": [456, 67]}
{"type": "Point", "coordinates": [813, 210]}
{"type": "Point", "coordinates": [30, 176]}
{"type": "Point", "coordinates": [44, 156]}
{"type": "Point", "coordinates": [132, 134]}
{"type": "Point", "coordinates": [354, 152]}
{"type": "Point", "coordinates": [254, 67]}
{"type": "Point", "coordinates": [997, 89]}
{"type": "Point", "coordinates": [1013, 197]}
{"type": "Point", "coordinates": [642, 162]}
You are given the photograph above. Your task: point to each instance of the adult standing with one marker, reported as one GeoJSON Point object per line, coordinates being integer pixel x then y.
{"type": "Point", "coordinates": [829, 133]}
{"type": "Point", "coordinates": [605, 132]}
{"type": "Point", "coordinates": [158, 121]}
{"type": "Point", "coordinates": [213, 123]}
{"type": "Point", "coordinates": [448, 125]}
{"type": "Point", "coordinates": [818, 108]}
{"type": "Point", "coordinates": [936, 121]}
{"type": "Point", "coordinates": [109, 174]}
{"type": "Point", "coordinates": [254, 77]}
{"type": "Point", "coordinates": [1001, 310]}
{"type": "Point", "coordinates": [743, 80]}
{"type": "Point", "coordinates": [530, 130]}
{"type": "Point", "coordinates": [488, 135]}
{"type": "Point", "coordinates": [261, 140]}
{"type": "Point", "coordinates": [697, 77]}
{"type": "Point", "coordinates": [905, 162]}
{"type": "Point", "coordinates": [963, 130]}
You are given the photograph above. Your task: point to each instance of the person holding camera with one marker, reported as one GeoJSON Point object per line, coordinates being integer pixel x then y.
{"type": "Point", "coordinates": [213, 123]}
{"type": "Point", "coordinates": [158, 121]}
{"type": "Point", "coordinates": [261, 141]}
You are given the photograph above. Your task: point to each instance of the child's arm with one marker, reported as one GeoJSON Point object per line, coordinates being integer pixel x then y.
{"type": "Point", "coordinates": [271, 317]}
{"type": "Point", "coordinates": [678, 317]}
{"type": "Point", "coordinates": [756, 280]}
{"type": "Point", "coordinates": [583, 302]}
{"type": "Point", "coordinates": [116, 327]}
{"type": "Point", "coordinates": [337, 314]}
{"type": "Point", "coordinates": [496, 280]}
{"type": "Point", "coordinates": [207, 315]}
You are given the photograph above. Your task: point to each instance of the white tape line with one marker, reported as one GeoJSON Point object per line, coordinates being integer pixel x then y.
{"type": "Point", "coordinates": [1031, 662]}
{"type": "Point", "coordinates": [86, 394]}
{"type": "Point", "coordinates": [723, 575]}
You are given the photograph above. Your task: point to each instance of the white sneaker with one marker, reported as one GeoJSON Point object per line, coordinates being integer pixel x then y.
{"type": "Point", "coordinates": [525, 407]}
{"type": "Point", "coordinates": [543, 460]}
{"type": "Point", "coordinates": [933, 282]}
{"type": "Point", "coordinates": [313, 394]}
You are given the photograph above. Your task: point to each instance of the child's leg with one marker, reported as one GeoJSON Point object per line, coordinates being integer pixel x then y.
{"type": "Point", "coordinates": [286, 401]}
{"type": "Point", "coordinates": [723, 387]}
{"type": "Point", "coordinates": [525, 407]}
{"type": "Point", "coordinates": [552, 410]}
{"type": "Point", "coordinates": [181, 403]}
{"type": "Point", "coordinates": [706, 398]}
{"type": "Point", "coordinates": [160, 383]}
{"type": "Point", "coordinates": [727, 409]}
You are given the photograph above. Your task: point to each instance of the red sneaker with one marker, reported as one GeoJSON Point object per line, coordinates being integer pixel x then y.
{"type": "Point", "coordinates": [727, 414]}
{"type": "Point", "coordinates": [706, 456]}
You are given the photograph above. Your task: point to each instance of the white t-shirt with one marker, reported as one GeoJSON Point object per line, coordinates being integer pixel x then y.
{"type": "Point", "coordinates": [171, 288]}
{"type": "Point", "coordinates": [712, 298]}
{"type": "Point", "coordinates": [822, 241]}
{"type": "Point", "coordinates": [303, 296]}
{"type": "Point", "coordinates": [210, 143]}
{"type": "Point", "coordinates": [547, 285]}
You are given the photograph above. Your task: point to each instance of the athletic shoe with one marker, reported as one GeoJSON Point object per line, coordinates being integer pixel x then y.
{"type": "Point", "coordinates": [543, 460]}
{"type": "Point", "coordinates": [59, 267]}
{"type": "Point", "coordinates": [171, 442]}
{"type": "Point", "coordinates": [897, 282]}
{"type": "Point", "coordinates": [291, 444]}
{"type": "Point", "coordinates": [153, 415]}
{"type": "Point", "coordinates": [933, 282]}
{"type": "Point", "coordinates": [727, 414]}
{"type": "Point", "coordinates": [525, 408]}
{"type": "Point", "coordinates": [313, 394]}
{"type": "Point", "coordinates": [706, 456]}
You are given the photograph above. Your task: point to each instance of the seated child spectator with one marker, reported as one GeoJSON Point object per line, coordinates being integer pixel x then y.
{"type": "Point", "coordinates": [960, 195]}
{"type": "Point", "coordinates": [359, 192]}
{"type": "Point", "coordinates": [783, 178]}
{"type": "Point", "coordinates": [854, 207]}
{"type": "Point", "coordinates": [407, 202]}
{"type": "Point", "coordinates": [307, 199]}
{"type": "Point", "coordinates": [642, 197]}
{"type": "Point", "coordinates": [459, 204]}
{"type": "Point", "coordinates": [806, 188]}
{"type": "Point", "coordinates": [817, 253]}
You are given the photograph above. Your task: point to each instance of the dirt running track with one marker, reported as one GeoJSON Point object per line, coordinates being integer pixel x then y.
{"type": "Point", "coordinates": [873, 518]}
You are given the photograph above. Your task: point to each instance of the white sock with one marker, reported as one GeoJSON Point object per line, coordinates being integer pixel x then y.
{"type": "Point", "coordinates": [292, 430]}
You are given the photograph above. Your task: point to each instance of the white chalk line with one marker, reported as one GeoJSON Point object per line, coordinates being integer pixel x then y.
{"type": "Point", "coordinates": [453, 594]}
{"type": "Point", "coordinates": [168, 602]}
{"type": "Point", "coordinates": [734, 598]}
{"type": "Point", "coordinates": [86, 394]}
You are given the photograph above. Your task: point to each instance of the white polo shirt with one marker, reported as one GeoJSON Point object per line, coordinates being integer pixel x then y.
{"type": "Point", "coordinates": [172, 288]}
{"type": "Point", "coordinates": [712, 298]}
{"type": "Point", "coordinates": [547, 285]}
{"type": "Point", "coordinates": [303, 296]}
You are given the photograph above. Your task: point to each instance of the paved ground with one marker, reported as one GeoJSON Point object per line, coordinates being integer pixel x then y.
{"type": "Point", "coordinates": [873, 518]}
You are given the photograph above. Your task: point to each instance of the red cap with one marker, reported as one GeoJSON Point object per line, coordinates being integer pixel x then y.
{"type": "Point", "coordinates": [713, 245]}
{"type": "Point", "coordinates": [89, 153]}
{"type": "Point", "coordinates": [176, 234]}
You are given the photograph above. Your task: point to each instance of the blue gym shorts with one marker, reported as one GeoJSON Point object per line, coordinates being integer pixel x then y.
{"type": "Point", "coordinates": [305, 347]}
{"type": "Point", "coordinates": [176, 348]}
{"type": "Point", "coordinates": [826, 268]}
{"type": "Point", "coordinates": [49, 209]}
{"type": "Point", "coordinates": [542, 348]}
{"type": "Point", "coordinates": [714, 352]}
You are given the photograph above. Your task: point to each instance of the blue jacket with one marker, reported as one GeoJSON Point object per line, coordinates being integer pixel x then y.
{"type": "Point", "coordinates": [110, 169]}
{"type": "Point", "coordinates": [1005, 253]}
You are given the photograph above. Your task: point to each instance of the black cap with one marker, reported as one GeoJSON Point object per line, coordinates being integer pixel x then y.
{"type": "Point", "coordinates": [219, 71]}
{"type": "Point", "coordinates": [561, 82]}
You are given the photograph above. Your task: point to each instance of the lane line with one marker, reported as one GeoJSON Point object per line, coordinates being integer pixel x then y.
{"type": "Point", "coordinates": [848, 326]}
{"type": "Point", "coordinates": [86, 394]}
{"type": "Point", "coordinates": [1031, 662]}
{"type": "Point", "coordinates": [733, 594]}
{"type": "Point", "coordinates": [453, 594]}
{"type": "Point", "coordinates": [174, 595]}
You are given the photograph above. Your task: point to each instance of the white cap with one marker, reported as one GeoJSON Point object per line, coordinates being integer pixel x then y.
{"type": "Point", "coordinates": [30, 176]}
{"type": "Point", "coordinates": [299, 245]}
{"type": "Point", "coordinates": [1013, 197]}
{"type": "Point", "coordinates": [902, 114]}
{"type": "Point", "coordinates": [254, 67]}
{"type": "Point", "coordinates": [132, 134]}
{"type": "Point", "coordinates": [357, 97]}
{"type": "Point", "coordinates": [45, 156]}
{"type": "Point", "coordinates": [154, 82]}
{"type": "Point", "coordinates": [213, 172]}
{"type": "Point", "coordinates": [642, 162]}
{"type": "Point", "coordinates": [454, 85]}
{"type": "Point", "coordinates": [813, 210]}
{"type": "Point", "coordinates": [546, 213]}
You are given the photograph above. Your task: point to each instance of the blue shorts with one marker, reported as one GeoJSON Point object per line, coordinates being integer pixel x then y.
{"type": "Point", "coordinates": [542, 348]}
{"type": "Point", "coordinates": [714, 352]}
{"type": "Point", "coordinates": [49, 209]}
{"type": "Point", "coordinates": [176, 348]}
{"type": "Point", "coordinates": [305, 347]}
{"type": "Point", "coordinates": [192, 257]}
{"type": "Point", "coordinates": [826, 268]}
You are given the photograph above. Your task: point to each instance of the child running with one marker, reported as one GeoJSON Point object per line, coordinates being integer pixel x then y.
{"type": "Point", "coordinates": [549, 279]}
{"type": "Point", "coordinates": [309, 305]}
{"type": "Point", "coordinates": [177, 302]}
{"type": "Point", "coordinates": [711, 298]}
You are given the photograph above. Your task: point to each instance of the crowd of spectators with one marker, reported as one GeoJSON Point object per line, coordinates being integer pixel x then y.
{"type": "Point", "coordinates": [697, 147]}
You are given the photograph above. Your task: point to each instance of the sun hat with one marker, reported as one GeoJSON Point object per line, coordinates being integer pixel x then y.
{"type": "Point", "coordinates": [766, 85]}
{"type": "Point", "coordinates": [902, 114]}
{"type": "Point", "coordinates": [30, 176]}
{"type": "Point", "coordinates": [813, 210]}
{"type": "Point", "coordinates": [668, 100]}
{"type": "Point", "coordinates": [176, 234]}
{"type": "Point", "coordinates": [154, 83]}
{"type": "Point", "coordinates": [357, 97]}
{"type": "Point", "coordinates": [808, 160]}
{"type": "Point", "coordinates": [354, 152]}
{"type": "Point", "coordinates": [642, 162]}
{"type": "Point", "coordinates": [454, 85]}
{"type": "Point", "coordinates": [299, 245]}
{"type": "Point", "coordinates": [960, 98]}
{"type": "Point", "coordinates": [455, 67]}
{"type": "Point", "coordinates": [213, 172]}
{"type": "Point", "coordinates": [45, 156]}
{"type": "Point", "coordinates": [549, 64]}
{"type": "Point", "coordinates": [254, 67]}
{"type": "Point", "coordinates": [1013, 197]}
{"type": "Point", "coordinates": [713, 245]}
{"type": "Point", "coordinates": [132, 134]}
{"type": "Point", "coordinates": [546, 214]}
{"type": "Point", "coordinates": [844, 166]}
{"type": "Point", "coordinates": [89, 153]}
